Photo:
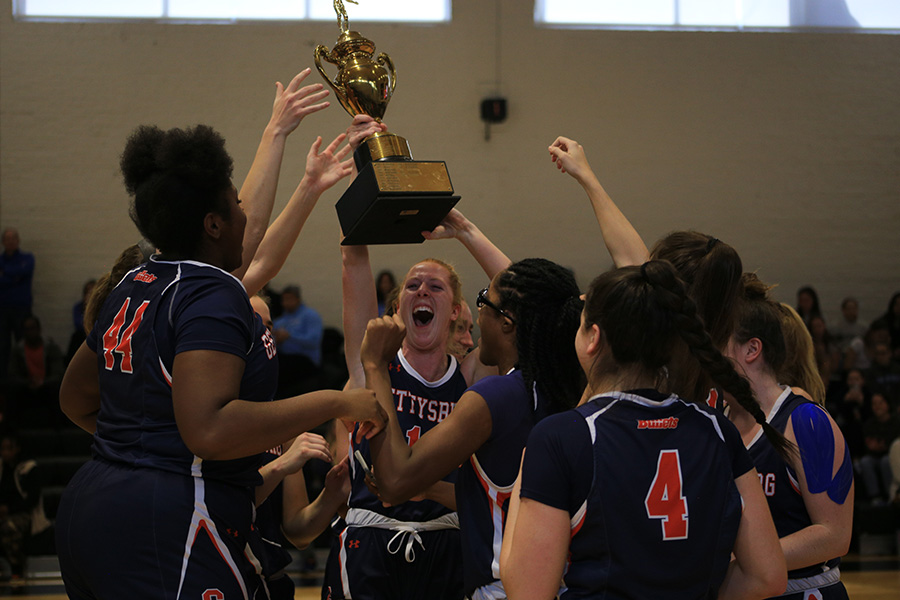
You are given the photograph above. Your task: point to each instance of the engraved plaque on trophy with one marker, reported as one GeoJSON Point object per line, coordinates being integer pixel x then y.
{"type": "Point", "coordinates": [393, 198]}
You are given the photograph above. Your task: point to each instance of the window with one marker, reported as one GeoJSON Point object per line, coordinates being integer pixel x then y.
{"type": "Point", "coordinates": [722, 14]}
{"type": "Point", "coordinates": [231, 10]}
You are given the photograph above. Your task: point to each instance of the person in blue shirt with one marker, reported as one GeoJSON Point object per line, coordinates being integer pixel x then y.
{"type": "Point", "coordinates": [16, 274]}
{"type": "Point", "coordinates": [298, 334]}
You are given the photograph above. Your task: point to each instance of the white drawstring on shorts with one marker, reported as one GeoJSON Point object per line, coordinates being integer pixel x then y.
{"type": "Point", "coordinates": [411, 536]}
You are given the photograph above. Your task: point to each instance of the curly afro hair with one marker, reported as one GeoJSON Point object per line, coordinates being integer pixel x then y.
{"type": "Point", "coordinates": [175, 178]}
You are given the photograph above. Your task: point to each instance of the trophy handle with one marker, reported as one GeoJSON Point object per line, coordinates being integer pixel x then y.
{"type": "Point", "coordinates": [384, 59]}
{"type": "Point", "coordinates": [320, 53]}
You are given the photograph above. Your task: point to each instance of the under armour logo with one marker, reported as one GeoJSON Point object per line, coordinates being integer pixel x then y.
{"type": "Point", "coordinates": [353, 544]}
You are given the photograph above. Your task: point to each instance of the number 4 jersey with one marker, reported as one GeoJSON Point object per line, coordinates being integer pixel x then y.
{"type": "Point", "coordinates": [648, 481]}
{"type": "Point", "coordinates": [157, 311]}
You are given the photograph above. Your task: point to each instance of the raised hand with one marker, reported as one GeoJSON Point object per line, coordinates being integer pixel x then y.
{"type": "Point", "coordinates": [325, 169]}
{"type": "Point", "coordinates": [293, 103]}
{"type": "Point", "coordinates": [383, 338]}
{"type": "Point", "coordinates": [362, 127]}
{"type": "Point", "coordinates": [452, 226]}
{"type": "Point", "coordinates": [569, 158]}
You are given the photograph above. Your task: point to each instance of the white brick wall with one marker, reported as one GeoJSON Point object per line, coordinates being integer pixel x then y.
{"type": "Point", "coordinates": [785, 145]}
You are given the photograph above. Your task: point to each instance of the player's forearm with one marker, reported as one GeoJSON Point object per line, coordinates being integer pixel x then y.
{"type": "Point", "coordinates": [306, 525]}
{"type": "Point", "coordinates": [241, 428]}
{"type": "Point", "coordinates": [279, 239]}
{"type": "Point", "coordinates": [741, 585]}
{"type": "Point", "coordinates": [814, 545]}
{"type": "Point", "coordinates": [390, 452]}
{"type": "Point", "coordinates": [622, 241]}
{"type": "Point", "coordinates": [491, 259]}
{"type": "Point", "coordinates": [257, 194]}
{"type": "Point", "coordinates": [359, 306]}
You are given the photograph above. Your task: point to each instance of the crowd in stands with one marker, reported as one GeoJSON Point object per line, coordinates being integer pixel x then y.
{"type": "Point", "coordinates": [860, 366]}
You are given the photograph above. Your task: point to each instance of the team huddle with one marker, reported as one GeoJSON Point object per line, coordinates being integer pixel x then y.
{"type": "Point", "coordinates": [658, 435]}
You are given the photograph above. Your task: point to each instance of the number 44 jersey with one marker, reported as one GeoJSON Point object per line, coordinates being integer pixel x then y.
{"type": "Point", "coordinates": [157, 311]}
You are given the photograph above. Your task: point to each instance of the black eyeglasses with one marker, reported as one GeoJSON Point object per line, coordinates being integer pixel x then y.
{"type": "Point", "coordinates": [482, 300]}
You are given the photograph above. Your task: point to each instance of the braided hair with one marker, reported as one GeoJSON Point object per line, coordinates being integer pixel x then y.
{"type": "Point", "coordinates": [176, 178]}
{"type": "Point", "coordinates": [711, 271]}
{"type": "Point", "coordinates": [645, 313]}
{"type": "Point", "coordinates": [545, 300]}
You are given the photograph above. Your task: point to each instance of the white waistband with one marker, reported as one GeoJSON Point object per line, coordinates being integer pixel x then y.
{"type": "Point", "coordinates": [829, 577]}
{"type": "Point", "coordinates": [360, 517]}
{"type": "Point", "coordinates": [408, 530]}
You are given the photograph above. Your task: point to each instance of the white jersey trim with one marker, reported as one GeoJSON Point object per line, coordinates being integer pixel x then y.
{"type": "Point", "coordinates": [778, 403]}
{"type": "Point", "coordinates": [493, 492]}
{"type": "Point", "coordinates": [451, 370]}
{"type": "Point", "coordinates": [202, 519]}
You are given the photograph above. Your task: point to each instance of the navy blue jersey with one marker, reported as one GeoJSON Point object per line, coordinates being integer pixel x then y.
{"type": "Point", "coordinates": [779, 481]}
{"type": "Point", "coordinates": [485, 481]}
{"type": "Point", "coordinates": [158, 310]}
{"type": "Point", "coordinates": [420, 406]}
{"type": "Point", "coordinates": [648, 481]}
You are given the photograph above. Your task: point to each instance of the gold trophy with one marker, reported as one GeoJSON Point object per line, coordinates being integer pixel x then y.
{"type": "Point", "coordinates": [393, 198]}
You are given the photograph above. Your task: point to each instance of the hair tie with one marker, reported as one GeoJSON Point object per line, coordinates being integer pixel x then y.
{"type": "Point", "coordinates": [644, 272]}
{"type": "Point", "coordinates": [147, 249]}
{"type": "Point", "coordinates": [711, 243]}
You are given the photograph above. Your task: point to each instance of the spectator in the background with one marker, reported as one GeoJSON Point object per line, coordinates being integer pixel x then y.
{"type": "Point", "coordinates": [884, 374]}
{"type": "Point", "coordinates": [808, 304]}
{"type": "Point", "coordinates": [79, 334]}
{"type": "Point", "coordinates": [849, 407]}
{"type": "Point", "coordinates": [880, 430]}
{"type": "Point", "coordinates": [384, 285]}
{"type": "Point", "coordinates": [21, 509]}
{"type": "Point", "coordinates": [16, 273]}
{"type": "Point", "coordinates": [828, 357]}
{"type": "Point", "coordinates": [298, 334]}
{"type": "Point", "coordinates": [848, 327]}
{"type": "Point", "coordinates": [890, 320]}
{"type": "Point", "coordinates": [36, 369]}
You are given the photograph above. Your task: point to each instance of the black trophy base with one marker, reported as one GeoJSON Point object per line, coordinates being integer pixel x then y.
{"type": "Point", "coordinates": [393, 202]}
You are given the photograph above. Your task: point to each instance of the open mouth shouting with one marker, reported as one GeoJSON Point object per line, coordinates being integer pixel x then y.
{"type": "Point", "coordinates": [422, 315]}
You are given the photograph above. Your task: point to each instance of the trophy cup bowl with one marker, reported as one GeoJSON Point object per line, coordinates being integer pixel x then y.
{"type": "Point", "coordinates": [393, 198]}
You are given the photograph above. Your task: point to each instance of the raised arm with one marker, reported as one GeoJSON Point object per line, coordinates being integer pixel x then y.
{"type": "Point", "coordinates": [358, 285]}
{"type": "Point", "coordinates": [456, 225]}
{"type": "Point", "coordinates": [323, 170]}
{"type": "Point", "coordinates": [257, 194]}
{"type": "Point", "coordinates": [623, 242]}
{"type": "Point", "coordinates": [404, 471]}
